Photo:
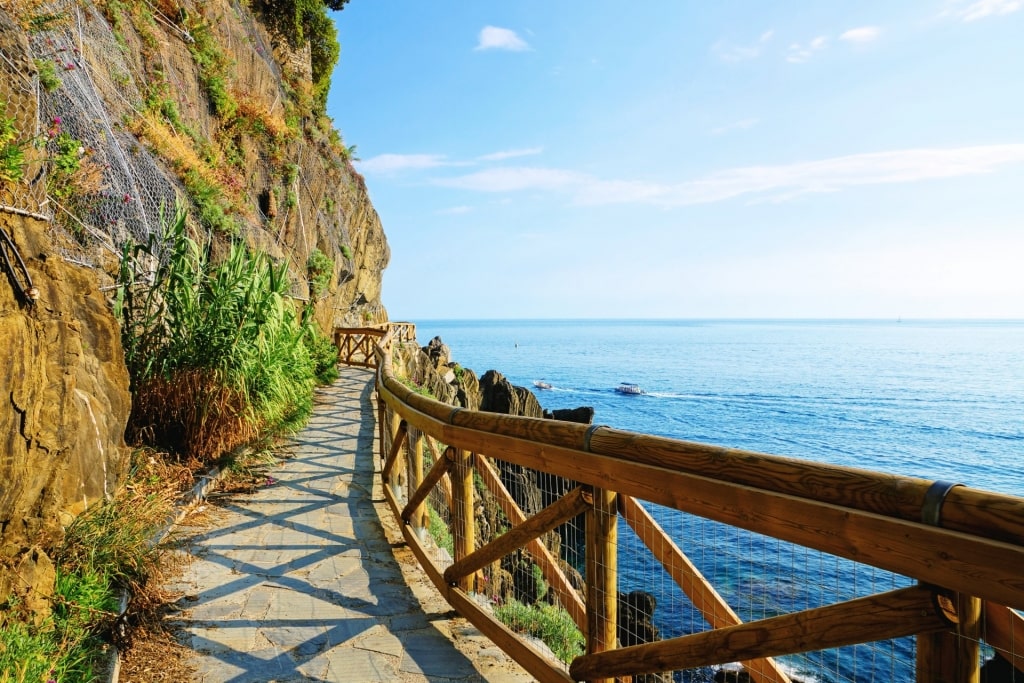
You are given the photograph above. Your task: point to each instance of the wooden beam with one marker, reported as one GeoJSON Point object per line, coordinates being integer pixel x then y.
{"type": "Point", "coordinates": [1004, 630]}
{"type": "Point", "coordinates": [538, 665]}
{"type": "Point", "coordinates": [462, 513]}
{"type": "Point", "coordinates": [446, 483]}
{"type": "Point", "coordinates": [895, 614]}
{"type": "Point", "coordinates": [567, 595]}
{"type": "Point", "coordinates": [959, 561]}
{"type": "Point", "coordinates": [440, 467]}
{"type": "Point", "coordinates": [602, 582]}
{"type": "Point", "coordinates": [715, 610]}
{"type": "Point", "coordinates": [396, 447]}
{"type": "Point", "coordinates": [982, 513]}
{"type": "Point", "coordinates": [568, 506]}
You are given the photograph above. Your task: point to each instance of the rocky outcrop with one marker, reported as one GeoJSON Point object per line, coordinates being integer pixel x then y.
{"type": "Point", "coordinates": [130, 88]}
{"type": "Point", "coordinates": [66, 390]}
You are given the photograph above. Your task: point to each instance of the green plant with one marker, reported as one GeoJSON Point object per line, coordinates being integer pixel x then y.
{"type": "Point", "coordinates": [346, 252]}
{"type": "Point", "coordinates": [12, 156]}
{"type": "Point", "coordinates": [440, 532]}
{"type": "Point", "coordinates": [319, 271]}
{"type": "Point", "coordinates": [48, 75]}
{"type": "Point", "coordinates": [551, 624]}
{"type": "Point", "coordinates": [216, 352]}
{"type": "Point", "coordinates": [323, 353]}
{"type": "Point", "coordinates": [214, 68]}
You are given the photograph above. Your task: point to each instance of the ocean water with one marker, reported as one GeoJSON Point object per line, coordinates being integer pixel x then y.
{"type": "Point", "coordinates": [931, 399]}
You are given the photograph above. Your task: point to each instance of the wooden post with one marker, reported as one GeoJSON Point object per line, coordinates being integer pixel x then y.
{"type": "Point", "coordinates": [382, 421]}
{"type": "Point", "coordinates": [602, 575]}
{"type": "Point", "coordinates": [463, 526]}
{"type": "Point", "coordinates": [418, 517]}
{"type": "Point", "coordinates": [952, 655]}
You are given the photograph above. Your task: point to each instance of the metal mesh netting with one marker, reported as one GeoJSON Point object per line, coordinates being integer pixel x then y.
{"type": "Point", "coordinates": [120, 191]}
{"type": "Point", "coordinates": [21, 189]}
{"type": "Point", "coordinates": [758, 577]}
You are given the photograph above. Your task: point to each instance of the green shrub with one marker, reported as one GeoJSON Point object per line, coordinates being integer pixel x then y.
{"type": "Point", "coordinates": [319, 270]}
{"type": "Point", "coordinates": [440, 532]}
{"type": "Point", "coordinates": [48, 75]}
{"type": "Point", "coordinates": [216, 352]}
{"type": "Point", "coordinates": [549, 623]}
{"type": "Point", "coordinates": [12, 156]}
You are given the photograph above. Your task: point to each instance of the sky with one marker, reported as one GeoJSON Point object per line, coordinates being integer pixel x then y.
{"type": "Point", "coordinates": [685, 159]}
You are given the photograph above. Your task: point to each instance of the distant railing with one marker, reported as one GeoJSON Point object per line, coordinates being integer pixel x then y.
{"type": "Point", "coordinates": [356, 345]}
{"type": "Point", "coordinates": [959, 551]}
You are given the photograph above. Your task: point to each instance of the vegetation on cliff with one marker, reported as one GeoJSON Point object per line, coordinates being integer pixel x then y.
{"type": "Point", "coordinates": [111, 114]}
{"type": "Point", "coordinates": [217, 354]}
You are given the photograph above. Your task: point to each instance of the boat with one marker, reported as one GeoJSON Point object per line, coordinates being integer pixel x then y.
{"type": "Point", "coordinates": [540, 384]}
{"type": "Point", "coordinates": [629, 388]}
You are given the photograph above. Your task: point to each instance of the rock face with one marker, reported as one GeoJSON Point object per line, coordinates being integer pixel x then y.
{"type": "Point", "coordinates": [66, 390]}
{"type": "Point", "coordinates": [136, 100]}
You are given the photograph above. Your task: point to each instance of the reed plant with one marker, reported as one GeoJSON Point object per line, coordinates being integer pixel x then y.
{"type": "Point", "coordinates": [217, 353]}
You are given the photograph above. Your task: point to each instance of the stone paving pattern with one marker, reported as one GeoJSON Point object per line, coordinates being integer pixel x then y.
{"type": "Point", "coordinates": [300, 582]}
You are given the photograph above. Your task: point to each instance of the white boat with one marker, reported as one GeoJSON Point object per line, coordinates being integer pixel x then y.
{"type": "Point", "coordinates": [540, 384]}
{"type": "Point", "coordinates": [629, 388]}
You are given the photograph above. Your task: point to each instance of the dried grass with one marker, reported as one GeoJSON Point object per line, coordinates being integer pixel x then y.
{"type": "Point", "coordinates": [192, 413]}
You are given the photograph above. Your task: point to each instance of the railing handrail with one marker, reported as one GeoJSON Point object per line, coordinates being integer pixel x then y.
{"type": "Point", "coordinates": [963, 539]}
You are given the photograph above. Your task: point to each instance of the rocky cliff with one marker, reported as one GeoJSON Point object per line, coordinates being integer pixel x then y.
{"type": "Point", "coordinates": [111, 113]}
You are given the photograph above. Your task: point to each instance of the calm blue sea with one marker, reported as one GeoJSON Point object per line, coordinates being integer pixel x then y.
{"type": "Point", "coordinates": [931, 399]}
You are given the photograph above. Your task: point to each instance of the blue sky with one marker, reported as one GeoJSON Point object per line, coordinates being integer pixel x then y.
{"type": "Point", "coordinates": [673, 159]}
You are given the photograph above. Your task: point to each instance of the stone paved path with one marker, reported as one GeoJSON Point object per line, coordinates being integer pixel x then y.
{"type": "Point", "coordinates": [300, 582]}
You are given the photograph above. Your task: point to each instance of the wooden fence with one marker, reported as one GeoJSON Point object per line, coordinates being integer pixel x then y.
{"type": "Point", "coordinates": [964, 547]}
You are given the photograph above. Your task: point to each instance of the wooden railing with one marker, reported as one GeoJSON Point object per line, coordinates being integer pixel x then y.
{"type": "Point", "coordinates": [964, 547]}
{"type": "Point", "coordinates": [357, 345]}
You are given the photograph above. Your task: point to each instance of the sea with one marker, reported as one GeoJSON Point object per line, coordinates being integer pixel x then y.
{"type": "Point", "coordinates": [936, 399]}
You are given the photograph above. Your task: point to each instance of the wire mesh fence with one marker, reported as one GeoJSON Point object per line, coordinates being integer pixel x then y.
{"type": "Point", "coordinates": [758, 577]}
{"type": "Point", "coordinates": [673, 574]}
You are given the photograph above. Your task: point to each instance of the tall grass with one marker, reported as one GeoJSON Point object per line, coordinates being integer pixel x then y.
{"type": "Point", "coordinates": [105, 550]}
{"type": "Point", "coordinates": [217, 353]}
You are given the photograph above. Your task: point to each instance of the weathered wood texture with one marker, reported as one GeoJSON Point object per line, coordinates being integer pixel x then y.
{"type": "Point", "coordinates": [1004, 630]}
{"type": "Point", "coordinates": [602, 580]}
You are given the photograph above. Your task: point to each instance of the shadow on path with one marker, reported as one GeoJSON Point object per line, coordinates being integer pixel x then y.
{"type": "Point", "coordinates": [298, 582]}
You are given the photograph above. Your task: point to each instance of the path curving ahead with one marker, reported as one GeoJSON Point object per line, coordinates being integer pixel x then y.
{"type": "Point", "coordinates": [300, 582]}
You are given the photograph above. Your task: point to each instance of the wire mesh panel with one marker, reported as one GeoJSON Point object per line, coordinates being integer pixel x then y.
{"type": "Point", "coordinates": [21, 186]}
{"type": "Point", "coordinates": [116, 190]}
{"type": "Point", "coordinates": [758, 577]}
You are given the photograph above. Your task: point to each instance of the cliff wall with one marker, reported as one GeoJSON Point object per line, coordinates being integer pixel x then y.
{"type": "Point", "coordinates": [121, 111]}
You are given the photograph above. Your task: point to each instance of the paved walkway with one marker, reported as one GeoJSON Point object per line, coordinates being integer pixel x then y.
{"type": "Point", "coordinates": [300, 581]}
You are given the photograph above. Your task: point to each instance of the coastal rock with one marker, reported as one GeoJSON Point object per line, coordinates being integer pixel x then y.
{"type": "Point", "coordinates": [582, 415]}
{"type": "Point", "coordinates": [438, 352]}
{"type": "Point", "coordinates": [498, 395]}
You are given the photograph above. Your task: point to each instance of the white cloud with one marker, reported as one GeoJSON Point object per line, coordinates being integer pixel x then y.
{"type": "Point", "coordinates": [516, 179]}
{"type": "Point", "coordinates": [862, 34]}
{"type": "Point", "coordinates": [772, 183]}
{"type": "Point", "coordinates": [987, 8]}
{"type": "Point", "coordinates": [454, 211]}
{"type": "Point", "coordinates": [495, 38]}
{"type": "Point", "coordinates": [393, 163]}
{"type": "Point", "coordinates": [799, 53]}
{"type": "Point", "coordinates": [510, 154]}
{"type": "Point", "coordinates": [729, 52]}
{"type": "Point", "coordinates": [742, 124]}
